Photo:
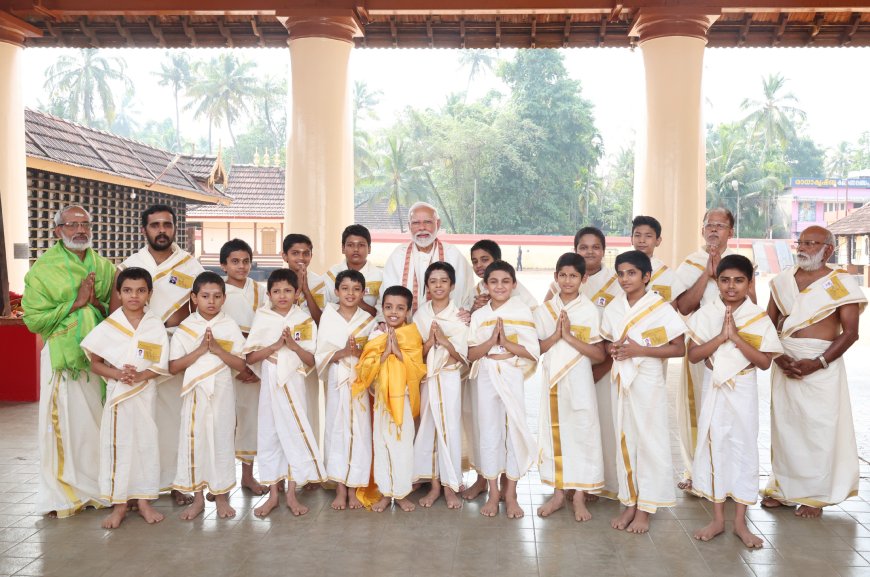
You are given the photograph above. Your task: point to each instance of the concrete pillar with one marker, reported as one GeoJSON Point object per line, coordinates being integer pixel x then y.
{"type": "Point", "coordinates": [13, 161]}
{"type": "Point", "coordinates": [319, 182]}
{"type": "Point", "coordinates": [670, 178]}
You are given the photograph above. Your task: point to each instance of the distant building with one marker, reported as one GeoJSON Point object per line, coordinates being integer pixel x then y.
{"type": "Point", "coordinates": [822, 201]}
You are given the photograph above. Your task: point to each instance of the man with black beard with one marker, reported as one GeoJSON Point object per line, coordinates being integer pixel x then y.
{"type": "Point", "coordinates": [173, 271]}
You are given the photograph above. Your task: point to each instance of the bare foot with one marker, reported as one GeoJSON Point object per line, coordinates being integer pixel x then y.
{"type": "Point", "coordinates": [209, 496]}
{"type": "Point", "coordinates": [808, 512]}
{"type": "Point", "coordinates": [640, 523]}
{"type": "Point", "coordinates": [553, 504]}
{"type": "Point", "coordinates": [512, 507]}
{"type": "Point", "coordinates": [406, 505]}
{"type": "Point", "coordinates": [294, 505]}
{"type": "Point", "coordinates": [381, 505]}
{"type": "Point", "coordinates": [685, 485]}
{"type": "Point", "coordinates": [709, 531]}
{"type": "Point", "coordinates": [453, 500]}
{"type": "Point", "coordinates": [254, 486]}
{"type": "Point", "coordinates": [263, 510]}
{"type": "Point", "coordinates": [148, 512]}
{"type": "Point", "coordinates": [490, 509]}
{"type": "Point", "coordinates": [749, 539]}
{"type": "Point", "coordinates": [312, 486]}
{"type": "Point", "coordinates": [771, 503]}
{"type": "Point", "coordinates": [340, 501]}
{"type": "Point", "coordinates": [621, 522]}
{"type": "Point", "coordinates": [429, 498]}
{"type": "Point", "coordinates": [181, 498]}
{"type": "Point", "coordinates": [113, 519]}
{"type": "Point", "coordinates": [281, 486]}
{"type": "Point", "coordinates": [132, 505]}
{"type": "Point", "coordinates": [581, 513]}
{"type": "Point", "coordinates": [222, 502]}
{"type": "Point", "coordinates": [353, 501]}
{"type": "Point", "coordinates": [591, 498]}
{"type": "Point", "coordinates": [476, 489]}
{"type": "Point", "coordinates": [195, 509]}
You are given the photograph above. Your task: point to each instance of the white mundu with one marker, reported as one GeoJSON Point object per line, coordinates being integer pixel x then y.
{"type": "Point", "coordinates": [663, 281]}
{"type": "Point", "coordinates": [438, 446]}
{"type": "Point", "coordinates": [569, 434]}
{"type": "Point", "coordinates": [129, 455]}
{"type": "Point", "coordinates": [506, 444]}
{"type": "Point", "coordinates": [313, 389]}
{"type": "Point", "coordinates": [520, 291]}
{"type": "Point", "coordinates": [688, 401]}
{"type": "Point", "coordinates": [287, 447]}
{"type": "Point", "coordinates": [347, 442]}
{"type": "Point", "coordinates": [206, 447]}
{"type": "Point", "coordinates": [173, 279]}
{"type": "Point", "coordinates": [374, 276]}
{"type": "Point", "coordinates": [407, 266]}
{"type": "Point", "coordinates": [726, 459]}
{"type": "Point", "coordinates": [814, 455]}
{"type": "Point", "coordinates": [240, 305]}
{"type": "Point", "coordinates": [644, 466]}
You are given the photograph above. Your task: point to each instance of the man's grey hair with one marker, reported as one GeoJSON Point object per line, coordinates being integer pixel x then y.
{"type": "Point", "coordinates": [418, 205]}
{"type": "Point", "coordinates": [58, 216]}
{"type": "Point", "coordinates": [829, 238]}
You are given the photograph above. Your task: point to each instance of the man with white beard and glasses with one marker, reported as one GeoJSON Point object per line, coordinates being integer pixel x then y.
{"type": "Point", "coordinates": [815, 308]}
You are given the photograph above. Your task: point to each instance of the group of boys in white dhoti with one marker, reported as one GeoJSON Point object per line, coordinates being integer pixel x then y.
{"type": "Point", "coordinates": [420, 376]}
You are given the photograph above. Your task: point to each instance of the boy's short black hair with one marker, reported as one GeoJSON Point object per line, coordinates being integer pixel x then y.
{"type": "Point", "coordinates": [154, 209]}
{"type": "Point", "coordinates": [736, 261]}
{"type": "Point", "coordinates": [354, 275]}
{"type": "Point", "coordinates": [502, 266]}
{"type": "Point", "coordinates": [489, 246]}
{"type": "Point", "coordinates": [296, 238]}
{"type": "Point", "coordinates": [232, 246]}
{"type": "Point", "coordinates": [572, 259]}
{"type": "Point", "coordinates": [282, 275]}
{"type": "Point", "coordinates": [440, 265]}
{"type": "Point", "coordinates": [356, 230]}
{"type": "Point", "coordinates": [134, 273]}
{"type": "Point", "coordinates": [648, 221]}
{"type": "Point", "coordinates": [590, 230]}
{"type": "Point", "coordinates": [637, 259]}
{"type": "Point", "coordinates": [205, 278]}
{"type": "Point", "coordinates": [398, 291]}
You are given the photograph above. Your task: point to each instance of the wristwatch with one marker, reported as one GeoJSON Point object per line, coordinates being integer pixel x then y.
{"type": "Point", "coordinates": [821, 359]}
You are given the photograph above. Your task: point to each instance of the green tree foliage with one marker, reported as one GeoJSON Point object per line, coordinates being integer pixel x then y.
{"type": "Point", "coordinates": [175, 72]}
{"type": "Point", "coordinates": [82, 86]}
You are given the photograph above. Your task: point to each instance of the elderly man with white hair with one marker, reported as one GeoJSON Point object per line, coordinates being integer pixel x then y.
{"type": "Point", "coordinates": [815, 308]}
{"type": "Point", "coordinates": [408, 263]}
{"type": "Point", "coordinates": [66, 294]}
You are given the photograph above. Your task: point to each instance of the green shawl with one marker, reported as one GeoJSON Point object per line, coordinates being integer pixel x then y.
{"type": "Point", "coordinates": [50, 289]}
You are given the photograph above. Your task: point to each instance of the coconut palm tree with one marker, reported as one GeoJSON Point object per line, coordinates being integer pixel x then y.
{"type": "Point", "coordinates": [478, 62]}
{"type": "Point", "coordinates": [839, 160]}
{"type": "Point", "coordinates": [85, 83]}
{"type": "Point", "coordinates": [774, 118]}
{"type": "Point", "coordinates": [395, 179]}
{"type": "Point", "coordinates": [175, 72]}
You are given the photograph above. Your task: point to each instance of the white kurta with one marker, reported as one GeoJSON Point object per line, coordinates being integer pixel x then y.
{"type": "Point", "coordinates": [663, 281]}
{"type": "Point", "coordinates": [402, 266]}
{"type": "Point", "coordinates": [129, 453]}
{"type": "Point", "coordinates": [569, 433]}
{"type": "Point", "coordinates": [505, 443]}
{"type": "Point", "coordinates": [644, 464]}
{"type": "Point", "coordinates": [206, 444]}
{"type": "Point", "coordinates": [240, 305]}
{"type": "Point", "coordinates": [726, 458]}
{"type": "Point", "coordinates": [313, 389]}
{"type": "Point", "coordinates": [438, 446]}
{"type": "Point", "coordinates": [348, 433]}
{"type": "Point", "coordinates": [173, 279]}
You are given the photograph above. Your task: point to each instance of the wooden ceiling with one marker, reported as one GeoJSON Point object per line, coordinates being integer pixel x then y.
{"type": "Point", "coordinates": [430, 23]}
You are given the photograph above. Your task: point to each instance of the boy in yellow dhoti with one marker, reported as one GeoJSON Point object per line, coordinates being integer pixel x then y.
{"type": "Point", "coordinates": [643, 330]}
{"type": "Point", "coordinates": [281, 347]}
{"type": "Point", "coordinates": [732, 336]}
{"type": "Point", "coordinates": [392, 362]}
{"type": "Point", "coordinates": [569, 435]}
{"type": "Point", "coordinates": [244, 297]}
{"type": "Point", "coordinates": [206, 347]}
{"type": "Point", "coordinates": [438, 446]}
{"type": "Point", "coordinates": [130, 349]}
{"type": "Point", "coordinates": [343, 330]}
{"type": "Point", "coordinates": [503, 345]}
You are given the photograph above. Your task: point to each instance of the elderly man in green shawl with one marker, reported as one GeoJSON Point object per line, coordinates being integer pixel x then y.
{"type": "Point", "coordinates": [66, 295]}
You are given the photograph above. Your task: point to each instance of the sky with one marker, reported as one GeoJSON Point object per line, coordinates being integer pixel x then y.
{"type": "Point", "coordinates": [831, 84]}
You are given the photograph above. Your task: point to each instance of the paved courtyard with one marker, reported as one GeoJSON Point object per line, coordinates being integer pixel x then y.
{"type": "Point", "coordinates": [434, 542]}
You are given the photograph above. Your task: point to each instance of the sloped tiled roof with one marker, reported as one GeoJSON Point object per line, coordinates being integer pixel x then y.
{"type": "Point", "coordinates": [376, 216]}
{"type": "Point", "coordinates": [254, 192]}
{"type": "Point", "coordinates": [856, 223]}
{"type": "Point", "coordinates": [55, 139]}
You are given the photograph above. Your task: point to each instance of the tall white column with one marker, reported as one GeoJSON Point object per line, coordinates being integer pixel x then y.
{"type": "Point", "coordinates": [13, 161]}
{"type": "Point", "coordinates": [670, 164]}
{"type": "Point", "coordinates": [319, 181]}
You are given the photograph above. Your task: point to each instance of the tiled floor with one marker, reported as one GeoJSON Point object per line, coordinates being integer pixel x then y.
{"type": "Point", "coordinates": [433, 542]}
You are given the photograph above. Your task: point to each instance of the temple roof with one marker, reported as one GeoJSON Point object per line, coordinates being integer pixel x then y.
{"type": "Point", "coordinates": [856, 223]}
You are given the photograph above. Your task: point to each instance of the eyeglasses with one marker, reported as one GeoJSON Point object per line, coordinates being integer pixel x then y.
{"type": "Point", "coordinates": [716, 225]}
{"type": "Point", "coordinates": [76, 225]}
{"type": "Point", "coordinates": [808, 243]}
